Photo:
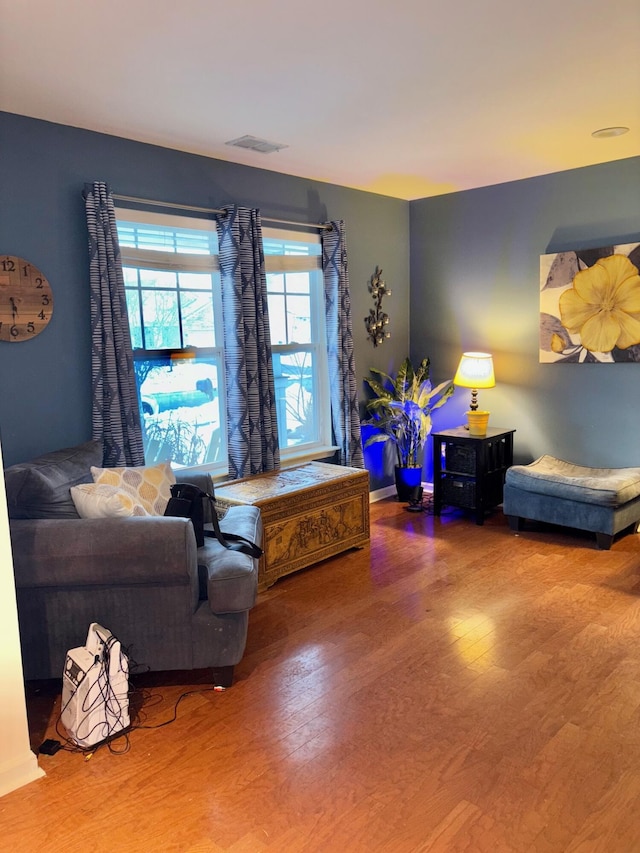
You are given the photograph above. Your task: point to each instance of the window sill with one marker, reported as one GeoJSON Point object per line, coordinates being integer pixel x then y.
{"type": "Point", "coordinates": [288, 459]}
{"type": "Point", "coordinates": [295, 456]}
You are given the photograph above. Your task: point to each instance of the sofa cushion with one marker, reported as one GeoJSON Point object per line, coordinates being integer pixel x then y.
{"type": "Point", "coordinates": [98, 500]}
{"type": "Point", "coordinates": [149, 486]}
{"type": "Point", "coordinates": [40, 488]}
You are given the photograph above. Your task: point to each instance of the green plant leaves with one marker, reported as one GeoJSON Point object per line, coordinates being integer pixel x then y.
{"type": "Point", "coordinates": [401, 408]}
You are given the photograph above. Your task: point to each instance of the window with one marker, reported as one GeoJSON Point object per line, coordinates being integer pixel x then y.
{"type": "Point", "coordinates": [296, 319]}
{"type": "Point", "coordinates": [172, 284]}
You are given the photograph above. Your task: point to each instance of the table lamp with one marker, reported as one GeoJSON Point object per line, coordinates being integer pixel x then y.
{"type": "Point", "coordinates": [476, 371]}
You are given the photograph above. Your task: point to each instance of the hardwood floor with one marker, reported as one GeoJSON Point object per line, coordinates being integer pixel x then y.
{"type": "Point", "coordinates": [450, 688]}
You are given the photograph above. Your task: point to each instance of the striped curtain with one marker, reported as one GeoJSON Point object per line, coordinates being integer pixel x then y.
{"type": "Point", "coordinates": [115, 410]}
{"type": "Point", "coordinates": [251, 399]}
{"type": "Point", "coordinates": [345, 415]}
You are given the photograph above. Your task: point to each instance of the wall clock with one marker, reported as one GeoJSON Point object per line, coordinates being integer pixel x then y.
{"type": "Point", "coordinates": [26, 299]}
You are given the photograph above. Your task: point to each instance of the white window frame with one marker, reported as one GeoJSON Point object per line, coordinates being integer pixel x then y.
{"type": "Point", "coordinates": [318, 347]}
{"type": "Point", "coordinates": [158, 259]}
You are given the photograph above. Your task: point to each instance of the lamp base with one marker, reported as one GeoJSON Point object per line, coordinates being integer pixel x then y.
{"type": "Point", "coordinates": [478, 421]}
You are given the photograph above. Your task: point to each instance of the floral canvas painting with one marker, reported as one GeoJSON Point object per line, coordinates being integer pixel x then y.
{"type": "Point", "coordinates": [590, 305]}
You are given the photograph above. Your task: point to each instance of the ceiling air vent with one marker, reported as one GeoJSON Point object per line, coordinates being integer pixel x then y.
{"type": "Point", "coordinates": [255, 144]}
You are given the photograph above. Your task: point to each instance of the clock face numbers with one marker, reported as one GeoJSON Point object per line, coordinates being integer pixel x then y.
{"type": "Point", "coordinates": [26, 299]}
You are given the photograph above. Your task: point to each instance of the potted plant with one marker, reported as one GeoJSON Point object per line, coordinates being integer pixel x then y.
{"type": "Point", "coordinates": [401, 411]}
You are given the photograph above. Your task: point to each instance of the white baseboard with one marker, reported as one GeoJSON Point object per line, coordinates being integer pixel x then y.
{"type": "Point", "coordinates": [390, 491]}
{"type": "Point", "coordinates": [381, 494]}
{"type": "Point", "coordinates": [19, 772]}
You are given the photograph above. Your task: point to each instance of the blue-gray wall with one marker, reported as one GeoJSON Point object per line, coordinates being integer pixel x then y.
{"type": "Point", "coordinates": [475, 286]}
{"type": "Point", "coordinates": [45, 382]}
{"type": "Point", "coordinates": [474, 260]}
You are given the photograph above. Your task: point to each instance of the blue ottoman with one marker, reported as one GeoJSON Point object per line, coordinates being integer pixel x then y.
{"type": "Point", "coordinates": [601, 500]}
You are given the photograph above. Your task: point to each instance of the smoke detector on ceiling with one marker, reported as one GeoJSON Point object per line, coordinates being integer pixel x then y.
{"type": "Point", "coordinates": [607, 132]}
{"type": "Point", "coordinates": [255, 144]}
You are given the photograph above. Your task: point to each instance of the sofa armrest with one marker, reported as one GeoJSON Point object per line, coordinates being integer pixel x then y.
{"type": "Point", "coordinates": [232, 577]}
{"type": "Point", "coordinates": [104, 551]}
{"type": "Point", "coordinates": [197, 478]}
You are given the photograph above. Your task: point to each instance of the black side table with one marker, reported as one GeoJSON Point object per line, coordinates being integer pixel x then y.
{"type": "Point", "coordinates": [469, 470]}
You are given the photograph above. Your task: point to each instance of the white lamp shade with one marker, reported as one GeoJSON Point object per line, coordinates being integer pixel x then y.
{"type": "Point", "coordinates": [475, 371]}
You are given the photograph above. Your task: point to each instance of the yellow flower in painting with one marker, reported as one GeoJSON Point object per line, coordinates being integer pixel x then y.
{"type": "Point", "coordinates": [603, 306]}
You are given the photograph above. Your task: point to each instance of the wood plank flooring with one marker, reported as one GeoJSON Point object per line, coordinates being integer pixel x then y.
{"type": "Point", "coordinates": [450, 688]}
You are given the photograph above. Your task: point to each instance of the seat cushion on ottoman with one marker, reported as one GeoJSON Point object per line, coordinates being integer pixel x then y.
{"type": "Point", "coordinates": [601, 486]}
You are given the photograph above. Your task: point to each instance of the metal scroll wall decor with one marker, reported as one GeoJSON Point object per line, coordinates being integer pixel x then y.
{"type": "Point", "coordinates": [378, 320]}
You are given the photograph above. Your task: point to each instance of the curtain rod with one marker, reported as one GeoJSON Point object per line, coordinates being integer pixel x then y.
{"type": "Point", "coordinates": [194, 209]}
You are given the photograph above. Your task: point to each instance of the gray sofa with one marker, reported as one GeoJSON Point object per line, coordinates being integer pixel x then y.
{"type": "Point", "coordinates": [173, 606]}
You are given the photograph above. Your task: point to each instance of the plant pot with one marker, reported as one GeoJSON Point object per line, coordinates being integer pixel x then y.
{"type": "Point", "coordinates": [407, 481]}
{"type": "Point", "coordinates": [478, 421]}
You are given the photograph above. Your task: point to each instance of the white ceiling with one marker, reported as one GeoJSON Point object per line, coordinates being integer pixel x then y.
{"type": "Point", "coordinates": [410, 99]}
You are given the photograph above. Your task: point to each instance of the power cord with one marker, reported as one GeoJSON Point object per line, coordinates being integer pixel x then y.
{"type": "Point", "coordinates": [175, 708]}
{"type": "Point", "coordinates": [148, 699]}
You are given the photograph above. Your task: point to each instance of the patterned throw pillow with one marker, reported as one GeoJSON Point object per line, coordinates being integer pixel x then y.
{"type": "Point", "coordinates": [150, 486]}
{"type": "Point", "coordinates": [97, 500]}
